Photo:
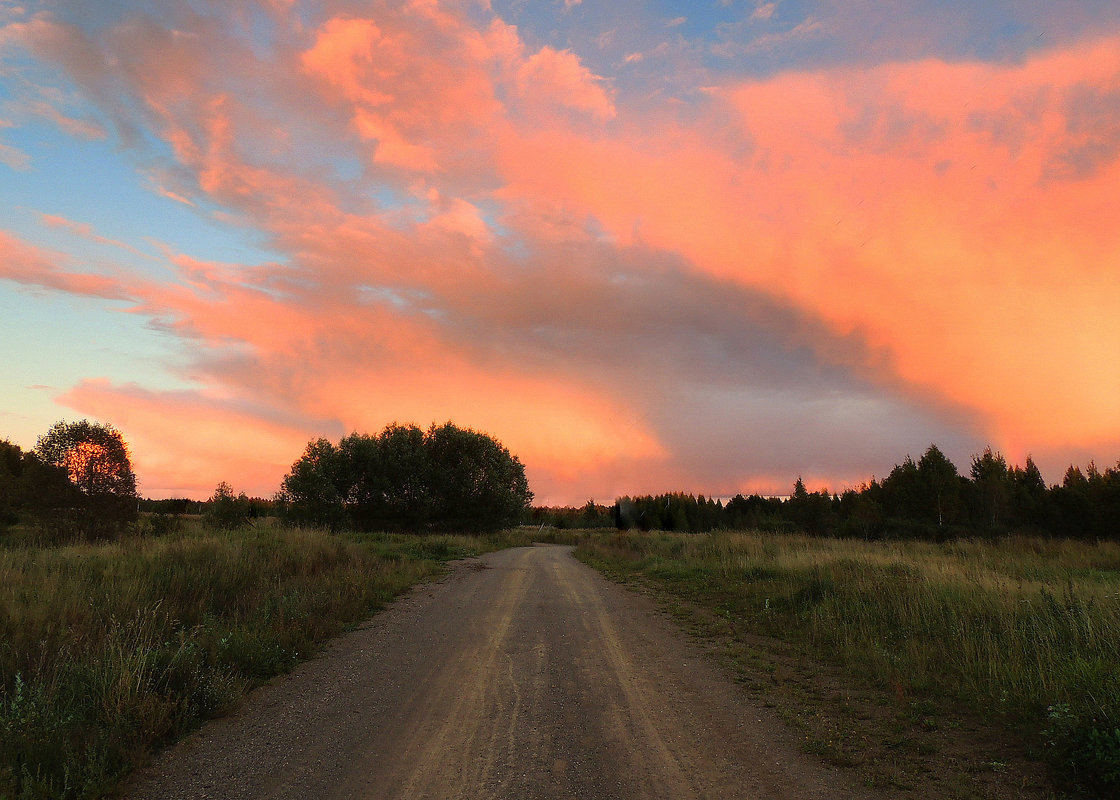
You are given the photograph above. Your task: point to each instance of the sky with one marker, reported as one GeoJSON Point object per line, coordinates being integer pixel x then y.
{"type": "Point", "coordinates": [649, 246]}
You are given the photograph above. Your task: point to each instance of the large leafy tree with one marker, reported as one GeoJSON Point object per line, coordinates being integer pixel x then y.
{"type": "Point", "coordinates": [95, 459]}
{"type": "Point", "coordinates": [310, 493]}
{"type": "Point", "coordinates": [409, 477]}
{"type": "Point", "coordinates": [94, 456]}
{"type": "Point", "coordinates": [445, 478]}
{"type": "Point", "coordinates": [476, 483]}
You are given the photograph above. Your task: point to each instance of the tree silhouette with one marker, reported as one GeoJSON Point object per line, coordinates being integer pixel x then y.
{"type": "Point", "coordinates": [310, 492]}
{"type": "Point", "coordinates": [95, 458]}
{"type": "Point", "coordinates": [991, 482]}
{"type": "Point", "coordinates": [941, 485]}
{"type": "Point", "coordinates": [445, 478]}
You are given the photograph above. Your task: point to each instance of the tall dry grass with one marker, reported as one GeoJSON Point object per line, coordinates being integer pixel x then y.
{"type": "Point", "coordinates": [1024, 628]}
{"type": "Point", "coordinates": [107, 650]}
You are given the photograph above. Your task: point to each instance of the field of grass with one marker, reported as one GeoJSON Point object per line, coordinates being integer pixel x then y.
{"type": "Point", "coordinates": [110, 650]}
{"type": "Point", "coordinates": [1022, 632]}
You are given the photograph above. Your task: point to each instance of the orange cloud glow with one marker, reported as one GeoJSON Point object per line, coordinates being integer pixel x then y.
{"type": "Point", "coordinates": [953, 215]}
{"type": "Point", "coordinates": [28, 264]}
{"type": "Point", "coordinates": [635, 290]}
{"type": "Point", "coordinates": [184, 444]}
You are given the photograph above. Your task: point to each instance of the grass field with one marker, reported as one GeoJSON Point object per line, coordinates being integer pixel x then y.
{"type": "Point", "coordinates": [1021, 633]}
{"type": "Point", "coordinates": [109, 650]}
{"type": "Point", "coordinates": [888, 656]}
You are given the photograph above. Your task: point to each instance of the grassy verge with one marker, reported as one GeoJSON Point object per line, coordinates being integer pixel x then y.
{"type": "Point", "coordinates": [109, 650]}
{"type": "Point", "coordinates": [946, 669]}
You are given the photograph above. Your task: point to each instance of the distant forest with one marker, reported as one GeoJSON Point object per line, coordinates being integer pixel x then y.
{"type": "Point", "coordinates": [927, 499]}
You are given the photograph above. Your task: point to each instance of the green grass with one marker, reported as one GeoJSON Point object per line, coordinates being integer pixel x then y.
{"type": "Point", "coordinates": [1023, 631]}
{"type": "Point", "coordinates": [109, 650]}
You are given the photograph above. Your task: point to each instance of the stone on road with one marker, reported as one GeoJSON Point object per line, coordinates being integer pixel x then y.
{"type": "Point", "coordinates": [523, 674]}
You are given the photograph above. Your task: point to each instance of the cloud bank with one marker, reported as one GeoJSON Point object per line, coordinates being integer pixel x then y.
{"type": "Point", "coordinates": [812, 272]}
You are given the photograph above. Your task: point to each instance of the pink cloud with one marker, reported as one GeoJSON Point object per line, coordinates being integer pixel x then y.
{"type": "Point", "coordinates": [14, 158]}
{"type": "Point", "coordinates": [416, 81]}
{"type": "Point", "coordinates": [30, 265]}
{"type": "Point", "coordinates": [940, 231]}
{"type": "Point", "coordinates": [764, 11]}
{"type": "Point", "coordinates": [558, 76]}
{"type": "Point", "coordinates": [184, 443]}
{"type": "Point", "coordinates": [890, 202]}
{"type": "Point", "coordinates": [344, 54]}
{"type": "Point", "coordinates": [86, 231]}
{"type": "Point", "coordinates": [83, 128]}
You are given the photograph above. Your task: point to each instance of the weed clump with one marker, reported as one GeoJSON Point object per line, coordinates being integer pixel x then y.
{"type": "Point", "coordinates": [1086, 748]}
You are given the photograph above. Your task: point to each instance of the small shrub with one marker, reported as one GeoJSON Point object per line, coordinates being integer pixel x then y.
{"type": "Point", "coordinates": [159, 524]}
{"type": "Point", "coordinates": [225, 511]}
{"type": "Point", "coordinates": [1085, 750]}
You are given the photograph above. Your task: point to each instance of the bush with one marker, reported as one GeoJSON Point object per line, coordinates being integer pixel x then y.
{"type": "Point", "coordinates": [159, 524]}
{"type": "Point", "coordinates": [224, 511]}
{"type": "Point", "coordinates": [1085, 750]}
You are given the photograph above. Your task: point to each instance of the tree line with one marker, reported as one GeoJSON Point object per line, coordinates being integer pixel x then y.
{"type": "Point", "coordinates": [78, 482]}
{"type": "Point", "coordinates": [928, 499]}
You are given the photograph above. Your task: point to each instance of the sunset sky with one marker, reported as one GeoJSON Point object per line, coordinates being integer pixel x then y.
{"type": "Point", "coordinates": [650, 246]}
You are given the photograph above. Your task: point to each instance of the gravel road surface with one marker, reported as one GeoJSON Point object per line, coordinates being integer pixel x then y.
{"type": "Point", "coordinates": [523, 674]}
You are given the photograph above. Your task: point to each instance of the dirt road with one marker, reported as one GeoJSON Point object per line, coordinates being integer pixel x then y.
{"type": "Point", "coordinates": [521, 675]}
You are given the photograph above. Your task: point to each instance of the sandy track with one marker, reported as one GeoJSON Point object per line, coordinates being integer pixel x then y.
{"type": "Point", "coordinates": [523, 674]}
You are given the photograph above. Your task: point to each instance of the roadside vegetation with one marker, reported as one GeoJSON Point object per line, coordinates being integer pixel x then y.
{"type": "Point", "coordinates": [121, 630]}
{"type": "Point", "coordinates": [110, 649]}
{"type": "Point", "coordinates": [1021, 632]}
{"type": "Point", "coordinates": [938, 598]}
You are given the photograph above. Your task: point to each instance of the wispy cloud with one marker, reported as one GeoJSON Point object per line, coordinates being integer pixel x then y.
{"type": "Point", "coordinates": [83, 128]}
{"type": "Point", "coordinates": [732, 47]}
{"type": "Point", "coordinates": [14, 158]}
{"type": "Point", "coordinates": [33, 266]}
{"type": "Point", "coordinates": [86, 231]}
{"type": "Point", "coordinates": [764, 11]}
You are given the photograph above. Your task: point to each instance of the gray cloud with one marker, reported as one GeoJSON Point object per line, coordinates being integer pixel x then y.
{"type": "Point", "coordinates": [734, 383]}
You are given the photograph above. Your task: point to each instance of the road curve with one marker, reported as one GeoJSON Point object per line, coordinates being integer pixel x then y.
{"type": "Point", "coordinates": [524, 675]}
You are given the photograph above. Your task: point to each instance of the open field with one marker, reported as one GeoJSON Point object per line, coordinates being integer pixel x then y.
{"type": "Point", "coordinates": [964, 669]}
{"type": "Point", "coordinates": [108, 650]}
{"type": "Point", "coordinates": [891, 657]}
